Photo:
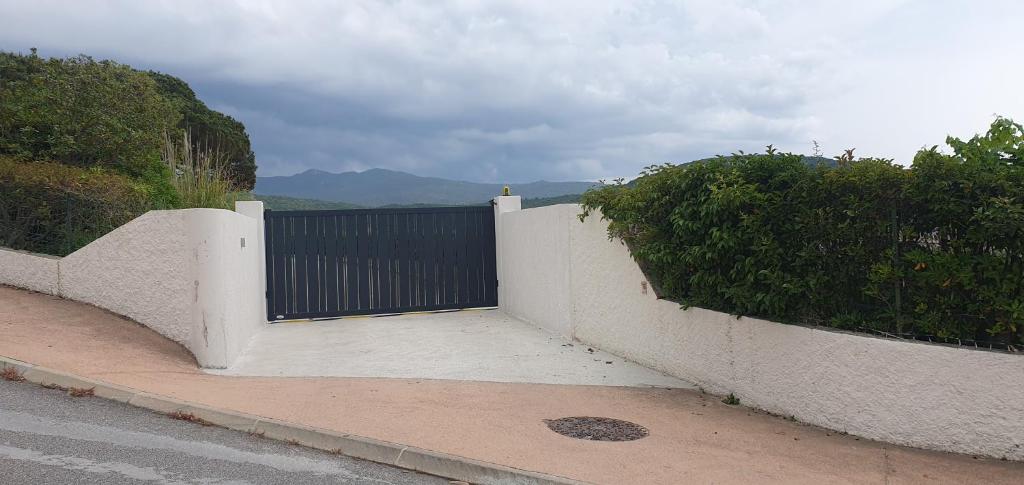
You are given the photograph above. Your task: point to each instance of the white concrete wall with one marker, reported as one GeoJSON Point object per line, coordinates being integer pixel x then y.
{"type": "Point", "coordinates": [538, 297]}
{"type": "Point", "coordinates": [229, 291]}
{"type": "Point", "coordinates": [185, 273]}
{"type": "Point", "coordinates": [36, 272]}
{"type": "Point", "coordinates": [141, 270]}
{"type": "Point", "coordinates": [908, 393]}
{"type": "Point", "coordinates": [254, 210]}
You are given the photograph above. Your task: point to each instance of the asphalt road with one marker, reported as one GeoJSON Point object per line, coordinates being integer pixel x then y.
{"type": "Point", "coordinates": [47, 436]}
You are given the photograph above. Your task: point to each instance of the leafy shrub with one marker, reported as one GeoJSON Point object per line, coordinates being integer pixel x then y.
{"type": "Point", "coordinates": [82, 112]}
{"type": "Point", "coordinates": [100, 123]}
{"type": "Point", "coordinates": [934, 249]}
{"type": "Point", "coordinates": [55, 209]}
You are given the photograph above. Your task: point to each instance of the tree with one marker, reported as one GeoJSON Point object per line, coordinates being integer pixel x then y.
{"type": "Point", "coordinates": [82, 112]}
{"type": "Point", "coordinates": [212, 130]}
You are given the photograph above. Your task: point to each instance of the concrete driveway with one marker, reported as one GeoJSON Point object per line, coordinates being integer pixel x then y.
{"type": "Point", "coordinates": [473, 345]}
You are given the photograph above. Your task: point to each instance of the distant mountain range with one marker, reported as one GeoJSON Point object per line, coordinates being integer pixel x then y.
{"type": "Point", "coordinates": [282, 203]}
{"type": "Point", "coordinates": [379, 187]}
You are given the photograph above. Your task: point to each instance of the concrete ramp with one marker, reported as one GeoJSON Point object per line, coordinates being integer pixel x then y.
{"type": "Point", "coordinates": [473, 345]}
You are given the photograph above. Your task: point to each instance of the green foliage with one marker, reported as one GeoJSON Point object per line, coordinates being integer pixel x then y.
{"type": "Point", "coordinates": [934, 249]}
{"type": "Point", "coordinates": [210, 129]}
{"type": "Point", "coordinates": [81, 112]}
{"type": "Point", "coordinates": [97, 123]}
{"type": "Point", "coordinates": [55, 209]}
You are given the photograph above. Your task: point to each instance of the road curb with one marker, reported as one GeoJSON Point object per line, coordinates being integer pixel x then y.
{"type": "Point", "coordinates": [394, 454]}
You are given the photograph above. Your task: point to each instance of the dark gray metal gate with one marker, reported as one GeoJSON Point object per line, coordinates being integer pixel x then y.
{"type": "Point", "coordinates": [370, 261]}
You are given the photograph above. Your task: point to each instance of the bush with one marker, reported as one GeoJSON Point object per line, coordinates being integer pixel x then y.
{"type": "Point", "coordinates": [935, 249]}
{"type": "Point", "coordinates": [100, 123]}
{"type": "Point", "coordinates": [55, 209]}
{"type": "Point", "coordinates": [81, 112]}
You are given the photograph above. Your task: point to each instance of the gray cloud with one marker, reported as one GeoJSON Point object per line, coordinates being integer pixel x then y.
{"type": "Point", "coordinates": [515, 91]}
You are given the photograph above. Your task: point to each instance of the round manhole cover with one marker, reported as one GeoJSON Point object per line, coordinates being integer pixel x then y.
{"type": "Point", "coordinates": [597, 429]}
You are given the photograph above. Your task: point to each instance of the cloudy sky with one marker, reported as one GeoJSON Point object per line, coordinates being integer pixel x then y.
{"type": "Point", "coordinates": [513, 91]}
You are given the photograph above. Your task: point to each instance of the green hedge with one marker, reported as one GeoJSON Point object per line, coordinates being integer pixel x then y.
{"type": "Point", "coordinates": [935, 249]}
{"type": "Point", "coordinates": [53, 208]}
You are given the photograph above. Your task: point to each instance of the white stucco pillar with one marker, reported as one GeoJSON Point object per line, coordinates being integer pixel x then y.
{"type": "Point", "coordinates": [507, 203]}
{"type": "Point", "coordinates": [502, 204]}
{"type": "Point", "coordinates": [254, 209]}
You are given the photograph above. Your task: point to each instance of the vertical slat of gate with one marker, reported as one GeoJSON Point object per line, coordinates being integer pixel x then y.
{"type": "Point", "coordinates": [462, 245]}
{"type": "Point", "coordinates": [456, 277]}
{"type": "Point", "coordinates": [482, 254]}
{"type": "Point", "coordinates": [382, 262]}
{"type": "Point", "coordinates": [317, 280]}
{"type": "Point", "coordinates": [400, 284]}
{"type": "Point", "coordinates": [427, 245]}
{"type": "Point", "coordinates": [490, 280]}
{"type": "Point", "coordinates": [387, 298]}
{"type": "Point", "coordinates": [440, 223]}
{"type": "Point", "coordinates": [378, 266]}
{"type": "Point", "coordinates": [471, 250]}
{"type": "Point", "coordinates": [313, 263]}
{"type": "Point", "coordinates": [392, 245]}
{"type": "Point", "coordinates": [478, 258]}
{"type": "Point", "coordinates": [371, 259]}
{"type": "Point", "coordinates": [452, 296]}
{"type": "Point", "coordinates": [420, 247]}
{"type": "Point", "coordinates": [363, 236]}
{"type": "Point", "coordinates": [289, 266]}
{"type": "Point", "coordinates": [301, 266]}
{"type": "Point", "coordinates": [321, 262]}
{"type": "Point", "coordinates": [344, 272]}
{"type": "Point", "coordinates": [444, 258]}
{"type": "Point", "coordinates": [441, 271]}
{"type": "Point", "coordinates": [416, 255]}
{"type": "Point", "coordinates": [411, 256]}
{"type": "Point", "coordinates": [342, 264]}
{"type": "Point", "coordinates": [292, 287]}
{"type": "Point", "coordinates": [331, 263]}
{"type": "Point", "coordinates": [469, 243]}
{"type": "Point", "coordinates": [352, 258]}
{"type": "Point", "coordinates": [441, 266]}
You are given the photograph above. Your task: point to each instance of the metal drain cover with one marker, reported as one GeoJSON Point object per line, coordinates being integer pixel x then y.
{"type": "Point", "coordinates": [597, 429]}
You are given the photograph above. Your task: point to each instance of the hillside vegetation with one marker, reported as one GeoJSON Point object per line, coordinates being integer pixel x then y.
{"type": "Point", "coordinates": [281, 203]}
{"type": "Point", "coordinates": [87, 145]}
{"type": "Point", "coordinates": [546, 201]}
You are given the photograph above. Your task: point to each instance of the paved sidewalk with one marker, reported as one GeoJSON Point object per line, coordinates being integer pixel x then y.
{"type": "Point", "coordinates": [693, 438]}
